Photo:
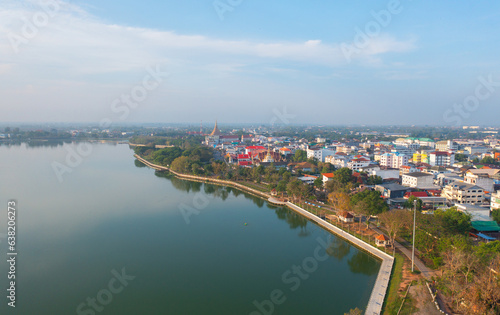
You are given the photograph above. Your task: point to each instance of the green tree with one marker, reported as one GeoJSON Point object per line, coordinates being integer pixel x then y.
{"type": "Point", "coordinates": [343, 175]}
{"type": "Point", "coordinates": [495, 214]}
{"type": "Point", "coordinates": [454, 221]}
{"type": "Point", "coordinates": [318, 182]}
{"type": "Point", "coordinates": [282, 185]}
{"type": "Point", "coordinates": [409, 204]}
{"type": "Point", "coordinates": [300, 156]}
{"type": "Point", "coordinates": [371, 200]}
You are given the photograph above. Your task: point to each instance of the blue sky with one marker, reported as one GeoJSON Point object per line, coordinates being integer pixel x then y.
{"type": "Point", "coordinates": [420, 62]}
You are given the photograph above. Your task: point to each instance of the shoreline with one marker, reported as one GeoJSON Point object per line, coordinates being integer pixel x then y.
{"type": "Point", "coordinates": [381, 286]}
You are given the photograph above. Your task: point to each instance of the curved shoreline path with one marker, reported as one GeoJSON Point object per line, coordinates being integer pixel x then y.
{"type": "Point", "coordinates": [381, 286]}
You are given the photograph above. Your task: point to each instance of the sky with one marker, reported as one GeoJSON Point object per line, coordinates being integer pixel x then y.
{"type": "Point", "coordinates": [240, 61]}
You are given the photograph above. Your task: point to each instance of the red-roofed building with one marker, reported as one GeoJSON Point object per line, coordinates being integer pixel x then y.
{"type": "Point", "coordinates": [244, 163]}
{"type": "Point", "coordinates": [327, 177]}
{"type": "Point", "coordinates": [253, 148]}
{"type": "Point", "coordinates": [418, 194]}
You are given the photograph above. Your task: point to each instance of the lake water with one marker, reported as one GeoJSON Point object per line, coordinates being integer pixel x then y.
{"type": "Point", "coordinates": [117, 238]}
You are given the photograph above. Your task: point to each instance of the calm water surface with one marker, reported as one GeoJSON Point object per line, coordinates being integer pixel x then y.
{"type": "Point", "coordinates": [111, 215]}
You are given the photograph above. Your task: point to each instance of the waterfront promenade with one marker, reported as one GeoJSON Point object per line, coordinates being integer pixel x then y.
{"type": "Point", "coordinates": [379, 291]}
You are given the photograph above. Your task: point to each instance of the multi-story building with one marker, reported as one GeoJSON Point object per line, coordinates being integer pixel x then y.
{"type": "Point", "coordinates": [463, 193]}
{"type": "Point", "coordinates": [448, 145]}
{"type": "Point", "coordinates": [418, 180]}
{"type": "Point", "coordinates": [441, 158]}
{"type": "Point", "coordinates": [358, 163]}
{"type": "Point", "coordinates": [421, 157]}
{"type": "Point", "coordinates": [338, 161]}
{"type": "Point", "coordinates": [481, 180]}
{"type": "Point", "coordinates": [394, 160]}
{"type": "Point", "coordinates": [446, 179]}
{"type": "Point", "coordinates": [319, 154]}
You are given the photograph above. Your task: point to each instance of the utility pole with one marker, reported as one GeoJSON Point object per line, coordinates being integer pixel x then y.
{"type": "Point", "coordinates": [413, 249]}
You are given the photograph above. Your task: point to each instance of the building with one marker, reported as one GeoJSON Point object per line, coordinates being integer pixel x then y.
{"type": "Point", "coordinates": [463, 193]}
{"type": "Point", "coordinates": [441, 158]}
{"type": "Point", "coordinates": [447, 145]}
{"type": "Point", "coordinates": [337, 160]}
{"type": "Point", "coordinates": [471, 150]}
{"type": "Point", "coordinates": [216, 137]}
{"type": "Point", "coordinates": [477, 213]}
{"type": "Point", "coordinates": [481, 180]}
{"type": "Point", "coordinates": [346, 217]}
{"type": "Point", "coordinates": [319, 154]}
{"type": "Point", "coordinates": [392, 190]}
{"type": "Point", "coordinates": [327, 177]}
{"type": "Point", "coordinates": [495, 201]}
{"type": "Point", "coordinates": [394, 160]}
{"type": "Point", "coordinates": [446, 179]}
{"type": "Point", "coordinates": [420, 158]}
{"type": "Point", "coordinates": [418, 180]}
{"type": "Point", "coordinates": [358, 163]}
{"type": "Point", "coordinates": [381, 240]}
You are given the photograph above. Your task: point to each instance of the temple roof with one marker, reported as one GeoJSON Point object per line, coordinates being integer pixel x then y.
{"type": "Point", "coordinates": [216, 131]}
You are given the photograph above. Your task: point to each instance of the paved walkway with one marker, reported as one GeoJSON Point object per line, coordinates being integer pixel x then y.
{"type": "Point", "coordinates": [425, 271]}
{"type": "Point", "coordinates": [379, 291]}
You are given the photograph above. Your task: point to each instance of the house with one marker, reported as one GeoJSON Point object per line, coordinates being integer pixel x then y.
{"type": "Point", "coordinates": [346, 217]}
{"type": "Point", "coordinates": [387, 173]}
{"type": "Point", "coordinates": [392, 190]}
{"type": "Point", "coordinates": [418, 180]}
{"type": "Point", "coordinates": [303, 166]}
{"type": "Point", "coordinates": [327, 177]}
{"type": "Point", "coordinates": [462, 193]}
{"type": "Point", "coordinates": [381, 240]}
{"type": "Point", "coordinates": [308, 179]}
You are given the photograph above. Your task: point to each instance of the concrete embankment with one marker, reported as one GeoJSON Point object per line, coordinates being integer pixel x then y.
{"type": "Point", "coordinates": [377, 297]}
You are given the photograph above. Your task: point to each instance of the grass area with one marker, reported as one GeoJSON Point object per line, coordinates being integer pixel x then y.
{"type": "Point", "coordinates": [392, 299]}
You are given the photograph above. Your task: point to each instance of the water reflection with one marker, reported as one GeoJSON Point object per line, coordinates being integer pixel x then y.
{"type": "Point", "coordinates": [294, 220]}
{"type": "Point", "coordinates": [139, 163]}
{"type": "Point", "coordinates": [338, 249]}
{"type": "Point", "coordinates": [363, 263]}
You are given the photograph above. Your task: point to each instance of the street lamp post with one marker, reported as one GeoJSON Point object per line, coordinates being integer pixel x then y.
{"type": "Point", "coordinates": [413, 248]}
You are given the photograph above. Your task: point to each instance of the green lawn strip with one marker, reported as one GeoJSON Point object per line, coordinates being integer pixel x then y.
{"type": "Point", "coordinates": [392, 300]}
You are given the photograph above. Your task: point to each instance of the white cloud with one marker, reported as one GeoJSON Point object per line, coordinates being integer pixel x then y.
{"type": "Point", "coordinates": [75, 42]}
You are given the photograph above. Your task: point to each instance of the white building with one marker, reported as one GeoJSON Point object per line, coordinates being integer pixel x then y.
{"type": "Point", "coordinates": [319, 154]}
{"type": "Point", "coordinates": [495, 201]}
{"type": "Point", "coordinates": [418, 180]}
{"type": "Point", "coordinates": [444, 146]}
{"type": "Point", "coordinates": [394, 160]}
{"type": "Point", "coordinates": [441, 158]}
{"type": "Point", "coordinates": [481, 180]}
{"type": "Point", "coordinates": [338, 161]}
{"type": "Point", "coordinates": [358, 163]}
{"type": "Point", "coordinates": [463, 193]}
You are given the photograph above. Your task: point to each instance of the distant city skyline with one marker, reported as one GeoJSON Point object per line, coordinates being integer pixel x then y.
{"type": "Point", "coordinates": [356, 63]}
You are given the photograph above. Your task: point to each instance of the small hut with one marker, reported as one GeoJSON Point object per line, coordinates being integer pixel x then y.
{"type": "Point", "coordinates": [381, 240]}
{"type": "Point", "coordinates": [346, 217]}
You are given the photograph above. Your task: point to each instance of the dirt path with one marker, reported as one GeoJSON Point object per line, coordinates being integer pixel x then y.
{"type": "Point", "coordinates": [423, 301]}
